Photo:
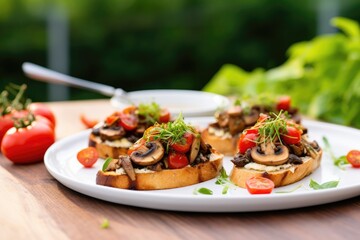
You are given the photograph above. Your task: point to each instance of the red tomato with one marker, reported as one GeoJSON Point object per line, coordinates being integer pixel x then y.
{"type": "Point", "coordinates": [43, 110]}
{"type": "Point", "coordinates": [293, 135]}
{"type": "Point", "coordinates": [259, 185]}
{"type": "Point", "coordinates": [354, 158]}
{"type": "Point", "coordinates": [129, 110]}
{"type": "Point", "coordinates": [89, 123]}
{"type": "Point", "coordinates": [128, 121]}
{"type": "Point", "coordinates": [177, 160]}
{"type": "Point", "coordinates": [7, 121]}
{"type": "Point", "coordinates": [252, 130]}
{"type": "Point", "coordinates": [164, 116]}
{"type": "Point", "coordinates": [183, 147]}
{"type": "Point", "coordinates": [136, 146]}
{"type": "Point", "coordinates": [110, 120]}
{"type": "Point", "coordinates": [283, 103]}
{"type": "Point", "coordinates": [87, 156]}
{"type": "Point", "coordinates": [247, 141]}
{"type": "Point", "coordinates": [28, 144]}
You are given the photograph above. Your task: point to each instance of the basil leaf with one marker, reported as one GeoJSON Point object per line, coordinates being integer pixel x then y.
{"type": "Point", "coordinates": [106, 164]}
{"type": "Point", "coordinates": [340, 161]}
{"type": "Point", "coordinates": [205, 191]}
{"type": "Point", "coordinates": [316, 186]}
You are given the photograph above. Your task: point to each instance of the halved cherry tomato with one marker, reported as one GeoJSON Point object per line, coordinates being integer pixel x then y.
{"type": "Point", "coordinates": [110, 120]}
{"type": "Point", "coordinates": [246, 141]}
{"type": "Point", "coordinates": [164, 116]}
{"type": "Point", "coordinates": [354, 158]}
{"type": "Point", "coordinates": [262, 118]}
{"type": "Point", "coordinates": [128, 121]}
{"type": "Point", "coordinates": [177, 160]}
{"type": "Point", "coordinates": [292, 136]}
{"type": "Point", "coordinates": [89, 123]}
{"type": "Point", "coordinates": [43, 110]}
{"type": "Point", "coordinates": [184, 146]}
{"type": "Point", "coordinates": [28, 144]}
{"type": "Point", "coordinates": [252, 130]}
{"type": "Point", "coordinates": [87, 156]}
{"type": "Point", "coordinates": [259, 185]}
{"type": "Point", "coordinates": [136, 146]}
{"type": "Point", "coordinates": [283, 103]}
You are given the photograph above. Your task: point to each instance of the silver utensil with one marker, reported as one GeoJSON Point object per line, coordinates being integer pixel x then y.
{"type": "Point", "coordinates": [36, 72]}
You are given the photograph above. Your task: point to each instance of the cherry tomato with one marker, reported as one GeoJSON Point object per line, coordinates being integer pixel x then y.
{"type": "Point", "coordinates": [293, 135]}
{"type": "Point", "coordinates": [283, 103]}
{"type": "Point", "coordinates": [164, 116]}
{"type": "Point", "coordinates": [259, 185]}
{"type": "Point", "coordinates": [43, 110]}
{"type": "Point", "coordinates": [128, 121]}
{"type": "Point", "coordinates": [177, 160]}
{"type": "Point", "coordinates": [262, 118]}
{"type": "Point", "coordinates": [89, 123]}
{"type": "Point", "coordinates": [184, 146]}
{"type": "Point", "coordinates": [247, 141]}
{"type": "Point", "coordinates": [110, 120]}
{"type": "Point", "coordinates": [87, 156]}
{"type": "Point", "coordinates": [354, 158]}
{"type": "Point", "coordinates": [136, 146]}
{"type": "Point", "coordinates": [129, 110]}
{"type": "Point", "coordinates": [252, 130]}
{"type": "Point", "coordinates": [28, 144]}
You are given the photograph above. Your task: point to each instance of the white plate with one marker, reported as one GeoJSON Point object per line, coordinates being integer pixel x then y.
{"type": "Point", "coordinates": [60, 160]}
{"type": "Point", "coordinates": [189, 103]}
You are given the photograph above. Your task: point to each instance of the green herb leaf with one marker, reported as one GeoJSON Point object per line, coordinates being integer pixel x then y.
{"type": "Point", "coordinates": [105, 223]}
{"type": "Point", "coordinates": [340, 161]}
{"type": "Point", "coordinates": [204, 191]}
{"type": "Point", "coordinates": [106, 164]}
{"type": "Point", "coordinates": [316, 186]}
{"type": "Point", "coordinates": [149, 112]}
{"type": "Point", "coordinates": [225, 189]}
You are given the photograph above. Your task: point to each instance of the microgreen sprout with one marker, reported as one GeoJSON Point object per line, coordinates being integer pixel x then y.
{"type": "Point", "coordinates": [149, 112]}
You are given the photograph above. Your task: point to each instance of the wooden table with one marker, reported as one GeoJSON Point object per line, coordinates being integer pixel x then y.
{"type": "Point", "coordinates": [33, 205]}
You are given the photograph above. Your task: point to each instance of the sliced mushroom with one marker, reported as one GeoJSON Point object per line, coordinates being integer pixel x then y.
{"type": "Point", "coordinates": [113, 165]}
{"type": "Point", "coordinates": [195, 148]}
{"type": "Point", "coordinates": [236, 125]}
{"type": "Point", "coordinates": [128, 167]}
{"type": "Point", "coordinates": [272, 156]}
{"type": "Point", "coordinates": [151, 153]}
{"type": "Point", "coordinates": [235, 111]}
{"type": "Point", "coordinates": [251, 118]}
{"type": "Point", "coordinates": [111, 134]}
{"type": "Point", "coordinates": [223, 119]}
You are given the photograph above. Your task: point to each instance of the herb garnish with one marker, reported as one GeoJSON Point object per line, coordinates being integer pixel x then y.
{"type": "Point", "coordinates": [106, 163]}
{"type": "Point", "coordinates": [149, 112]}
{"type": "Point", "coordinates": [273, 127]}
{"type": "Point", "coordinates": [170, 133]}
{"type": "Point", "coordinates": [204, 191]}
{"type": "Point", "coordinates": [223, 179]}
{"type": "Point", "coordinates": [316, 186]}
{"type": "Point", "coordinates": [105, 223]}
{"type": "Point", "coordinates": [340, 161]}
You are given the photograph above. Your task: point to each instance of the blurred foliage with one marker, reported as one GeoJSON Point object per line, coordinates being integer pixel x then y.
{"type": "Point", "coordinates": [321, 75]}
{"type": "Point", "coordinates": [144, 44]}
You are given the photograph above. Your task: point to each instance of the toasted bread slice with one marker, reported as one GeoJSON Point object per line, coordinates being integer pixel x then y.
{"type": "Point", "coordinates": [295, 173]}
{"type": "Point", "coordinates": [226, 146]}
{"type": "Point", "coordinates": [164, 179]}
{"type": "Point", "coordinates": [106, 150]}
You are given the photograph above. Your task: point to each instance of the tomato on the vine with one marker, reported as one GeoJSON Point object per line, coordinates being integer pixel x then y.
{"type": "Point", "coordinates": [284, 103]}
{"type": "Point", "coordinates": [185, 144]}
{"type": "Point", "coordinates": [27, 144]}
{"type": "Point", "coordinates": [7, 121]}
{"type": "Point", "coordinates": [42, 110]}
{"type": "Point", "coordinates": [292, 135]}
{"type": "Point", "coordinates": [246, 141]}
{"type": "Point", "coordinates": [353, 158]}
{"type": "Point", "coordinates": [259, 185]}
{"type": "Point", "coordinates": [177, 160]}
{"type": "Point", "coordinates": [87, 156]}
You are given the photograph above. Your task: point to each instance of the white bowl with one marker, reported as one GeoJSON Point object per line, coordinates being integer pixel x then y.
{"type": "Point", "coordinates": [190, 103]}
